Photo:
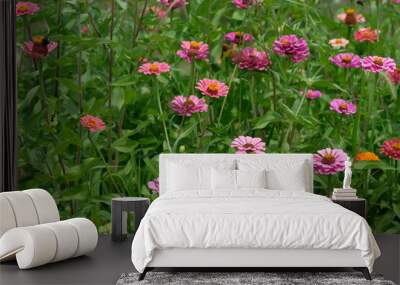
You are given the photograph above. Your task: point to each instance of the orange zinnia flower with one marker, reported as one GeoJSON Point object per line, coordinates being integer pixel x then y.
{"type": "Point", "coordinates": [366, 155]}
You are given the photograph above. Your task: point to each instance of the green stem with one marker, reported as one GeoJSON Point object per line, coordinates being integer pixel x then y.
{"type": "Point", "coordinates": [252, 99]}
{"type": "Point", "coordinates": [225, 98]}
{"type": "Point", "coordinates": [110, 80]}
{"type": "Point", "coordinates": [43, 96]}
{"type": "Point", "coordinates": [162, 116]}
{"type": "Point", "coordinates": [192, 78]}
{"type": "Point", "coordinates": [104, 161]}
{"type": "Point", "coordinates": [274, 99]}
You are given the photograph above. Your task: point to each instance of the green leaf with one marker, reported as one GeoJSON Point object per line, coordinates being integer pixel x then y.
{"type": "Point", "coordinates": [184, 134]}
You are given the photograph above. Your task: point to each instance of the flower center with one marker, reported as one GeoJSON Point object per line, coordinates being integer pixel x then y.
{"type": "Point", "coordinates": [188, 104]}
{"type": "Point", "coordinates": [343, 107]}
{"type": "Point", "coordinates": [396, 146]}
{"type": "Point", "coordinates": [154, 67]}
{"type": "Point", "coordinates": [23, 8]}
{"type": "Point", "coordinates": [213, 87]}
{"type": "Point", "coordinates": [39, 40]}
{"type": "Point", "coordinates": [195, 45]}
{"type": "Point", "coordinates": [239, 35]}
{"type": "Point", "coordinates": [248, 145]}
{"type": "Point", "coordinates": [346, 58]}
{"type": "Point", "coordinates": [378, 60]}
{"type": "Point", "coordinates": [351, 17]}
{"type": "Point", "coordinates": [338, 41]}
{"type": "Point", "coordinates": [91, 123]}
{"type": "Point", "coordinates": [328, 158]}
{"type": "Point", "coordinates": [285, 42]}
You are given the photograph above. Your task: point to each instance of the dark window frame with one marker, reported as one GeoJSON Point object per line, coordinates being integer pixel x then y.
{"type": "Point", "coordinates": [8, 97]}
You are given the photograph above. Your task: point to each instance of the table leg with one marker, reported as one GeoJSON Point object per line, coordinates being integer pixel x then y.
{"type": "Point", "coordinates": [116, 215]}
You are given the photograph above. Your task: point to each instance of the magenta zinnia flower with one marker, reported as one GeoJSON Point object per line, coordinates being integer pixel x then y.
{"type": "Point", "coordinates": [193, 49]}
{"type": "Point", "coordinates": [394, 76]}
{"type": "Point", "coordinates": [391, 148]}
{"type": "Point", "coordinates": [251, 59]}
{"type": "Point", "coordinates": [346, 60]}
{"type": "Point", "coordinates": [92, 123]}
{"type": "Point", "coordinates": [343, 107]}
{"type": "Point", "coordinates": [238, 37]}
{"type": "Point", "coordinates": [244, 4]}
{"type": "Point", "coordinates": [186, 106]}
{"type": "Point", "coordinates": [26, 8]}
{"type": "Point", "coordinates": [245, 144]}
{"type": "Point", "coordinates": [293, 47]}
{"type": "Point", "coordinates": [154, 185]}
{"type": "Point", "coordinates": [212, 88]}
{"type": "Point", "coordinates": [154, 68]}
{"type": "Point", "coordinates": [329, 161]}
{"type": "Point", "coordinates": [313, 94]}
{"type": "Point", "coordinates": [40, 47]}
{"type": "Point", "coordinates": [377, 64]}
{"type": "Point", "coordinates": [173, 4]}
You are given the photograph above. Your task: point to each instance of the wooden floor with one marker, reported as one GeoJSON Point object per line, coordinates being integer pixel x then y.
{"type": "Point", "coordinates": [110, 260]}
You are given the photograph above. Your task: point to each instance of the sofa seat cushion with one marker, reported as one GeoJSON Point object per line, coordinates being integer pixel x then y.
{"type": "Point", "coordinates": [40, 244]}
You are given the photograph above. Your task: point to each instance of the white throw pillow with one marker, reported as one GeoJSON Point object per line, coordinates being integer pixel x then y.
{"type": "Point", "coordinates": [223, 179]}
{"type": "Point", "coordinates": [251, 178]}
{"type": "Point", "coordinates": [282, 174]}
{"type": "Point", "coordinates": [183, 177]}
{"type": "Point", "coordinates": [278, 180]}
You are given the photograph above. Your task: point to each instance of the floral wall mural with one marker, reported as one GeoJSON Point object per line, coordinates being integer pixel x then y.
{"type": "Point", "coordinates": [105, 86]}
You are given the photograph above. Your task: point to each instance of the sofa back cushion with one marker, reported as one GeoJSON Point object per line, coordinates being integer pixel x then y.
{"type": "Point", "coordinates": [26, 208]}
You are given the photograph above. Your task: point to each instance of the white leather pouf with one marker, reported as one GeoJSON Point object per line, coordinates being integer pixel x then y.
{"type": "Point", "coordinates": [31, 232]}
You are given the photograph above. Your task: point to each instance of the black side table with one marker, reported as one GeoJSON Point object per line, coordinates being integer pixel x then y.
{"type": "Point", "coordinates": [357, 205]}
{"type": "Point", "coordinates": [119, 209]}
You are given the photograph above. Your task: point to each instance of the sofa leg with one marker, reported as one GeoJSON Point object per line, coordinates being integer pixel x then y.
{"type": "Point", "coordinates": [143, 274]}
{"type": "Point", "coordinates": [364, 271]}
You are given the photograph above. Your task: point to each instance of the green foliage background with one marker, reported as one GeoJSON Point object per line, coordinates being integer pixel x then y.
{"type": "Point", "coordinates": [96, 73]}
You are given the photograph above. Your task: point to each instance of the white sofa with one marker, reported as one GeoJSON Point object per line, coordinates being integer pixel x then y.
{"type": "Point", "coordinates": [31, 231]}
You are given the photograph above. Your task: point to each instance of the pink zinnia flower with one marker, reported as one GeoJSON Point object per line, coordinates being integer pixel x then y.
{"type": "Point", "coordinates": [245, 144]}
{"type": "Point", "coordinates": [244, 4]}
{"type": "Point", "coordinates": [350, 17]}
{"type": "Point", "coordinates": [313, 94]}
{"type": "Point", "coordinates": [173, 4]}
{"type": "Point", "coordinates": [212, 88]}
{"type": "Point", "coordinates": [329, 161]}
{"type": "Point", "coordinates": [152, 68]}
{"type": "Point", "coordinates": [338, 43]}
{"type": "Point", "coordinates": [293, 47]}
{"type": "Point", "coordinates": [26, 8]}
{"type": "Point", "coordinates": [40, 47]}
{"type": "Point", "coordinates": [92, 123]}
{"type": "Point", "coordinates": [366, 35]}
{"type": "Point", "coordinates": [251, 59]}
{"type": "Point", "coordinates": [238, 37]}
{"type": "Point", "coordinates": [193, 49]}
{"type": "Point", "coordinates": [186, 106]}
{"type": "Point", "coordinates": [343, 107]}
{"type": "Point", "coordinates": [159, 12]}
{"type": "Point", "coordinates": [346, 60]}
{"type": "Point", "coordinates": [85, 30]}
{"type": "Point", "coordinates": [154, 185]}
{"type": "Point", "coordinates": [391, 148]}
{"type": "Point", "coordinates": [394, 75]}
{"type": "Point", "coordinates": [377, 64]}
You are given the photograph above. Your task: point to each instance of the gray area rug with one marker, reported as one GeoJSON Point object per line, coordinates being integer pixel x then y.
{"type": "Point", "coordinates": [244, 278]}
